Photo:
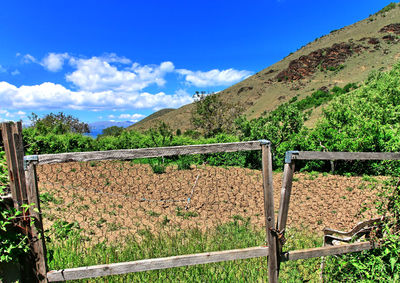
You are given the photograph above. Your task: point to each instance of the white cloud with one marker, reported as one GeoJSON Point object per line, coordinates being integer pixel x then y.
{"type": "Point", "coordinates": [97, 74]}
{"type": "Point", "coordinates": [114, 58]}
{"type": "Point", "coordinates": [54, 61]}
{"type": "Point", "coordinates": [2, 69]}
{"type": "Point", "coordinates": [131, 117]}
{"type": "Point", "coordinates": [15, 72]}
{"type": "Point", "coordinates": [54, 96]}
{"type": "Point", "coordinates": [6, 115]}
{"type": "Point", "coordinates": [28, 58]}
{"type": "Point", "coordinates": [214, 77]}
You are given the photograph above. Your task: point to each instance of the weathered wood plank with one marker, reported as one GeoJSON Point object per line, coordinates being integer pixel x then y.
{"type": "Point", "coordinates": [315, 155]}
{"type": "Point", "coordinates": [154, 264]}
{"type": "Point", "coordinates": [285, 195]}
{"type": "Point", "coordinates": [284, 205]}
{"type": "Point", "coordinates": [12, 164]}
{"type": "Point", "coordinates": [357, 228]}
{"type": "Point", "coordinates": [19, 154]}
{"type": "Point", "coordinates": [327, 251]}
{"type": "Point", "coordinates": [126, 154]}
{"type": "Point", "coordinates": [37, 234]}
{"type": "Point", "coordinates": [269, 212]}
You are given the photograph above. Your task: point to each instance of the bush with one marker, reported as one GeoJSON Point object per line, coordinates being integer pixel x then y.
{"type": "Point", "coordinates": [157, 166]}
{"type": "Point", "coordinates": [380, 264]}
{"type": "Point", "coordinates": [12, 242]}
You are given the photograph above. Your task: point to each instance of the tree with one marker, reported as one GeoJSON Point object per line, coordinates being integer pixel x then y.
{"type": "Point", "coordinates": [161, 135]}
{"type": "Point", "coordinates": [58, 124]}
{"type": "Point", "coordinates": [212, 115]}
{"type": "Point", "coordinates": [114, 131]}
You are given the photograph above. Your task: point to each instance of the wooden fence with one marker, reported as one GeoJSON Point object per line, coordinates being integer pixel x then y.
{"type": "Point", "coordinates": [24, 190]}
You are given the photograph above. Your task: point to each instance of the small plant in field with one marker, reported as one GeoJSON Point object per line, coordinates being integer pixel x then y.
{"type": "Point", "coordinates": [184, 163]}
{"type": "Point", "coordinates": [158, 168]}
{"type": "Point", "coordinates": [100, 222]}
{"type": "Point", "coordinates": [113, 226]}
{"type": "Point", "coordinates": [153, 213]}
{"type": "Point", "coordinates": [370, 179]}
{"type": "Point", "coordinates": [47, 198]}
{"type": "Point", "coordinates": [93, 164]}
{"type": "Point", "coordinates": [64, 229]}
{"type": "Point", "coordinates": [165, 220]}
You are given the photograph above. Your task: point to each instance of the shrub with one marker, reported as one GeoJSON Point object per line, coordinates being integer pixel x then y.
{"type": "Point", "coordinates": [157, 166]}
{"type": "Point", "coordinates": [379, 264]}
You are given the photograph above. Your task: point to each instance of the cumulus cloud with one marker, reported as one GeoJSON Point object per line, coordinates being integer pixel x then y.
{"type": "Point", "coordinates": [131, 117]}
{"type": "Point", "coordinates": [48, 96]}
{"type": "Point", "coordinates": [98, 74]}
{"type": "Point", "coordinates": [54, 61]}
{"type": "Point", "coordinates": [108, 82]}
{"type": "Point", "coordinates": [213, 77]}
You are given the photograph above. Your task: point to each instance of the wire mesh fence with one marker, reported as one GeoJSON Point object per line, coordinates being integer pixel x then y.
{"type": "Point", "coordinates": [151, 207]}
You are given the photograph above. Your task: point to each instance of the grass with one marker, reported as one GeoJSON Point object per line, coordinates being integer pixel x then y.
{"type": "Point", "coordinates": [71, 252]}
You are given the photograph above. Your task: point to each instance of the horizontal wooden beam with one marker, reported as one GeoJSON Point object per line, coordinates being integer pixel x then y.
{"type": "Point", "coordinates": [127, 154]}
{"type": "Point", "coordinates": [326, 251]}
{"type": "Point", "coordinates": [154, 264]}
{"type": "Point", "coordinates": [315, 155]}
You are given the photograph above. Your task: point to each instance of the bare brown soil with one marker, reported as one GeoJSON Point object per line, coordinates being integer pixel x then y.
{"type": "Point", "coordinates": [111, 200]}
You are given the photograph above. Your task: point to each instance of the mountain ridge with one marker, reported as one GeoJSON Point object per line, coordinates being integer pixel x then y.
{"type": "Point", "coordinates": [346, 55]}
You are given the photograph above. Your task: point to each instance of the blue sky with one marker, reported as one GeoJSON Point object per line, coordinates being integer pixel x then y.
{"type": "Point", "coordinates": [123, 60]}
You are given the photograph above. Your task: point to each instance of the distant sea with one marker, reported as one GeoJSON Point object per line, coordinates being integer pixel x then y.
{"type": "Point", "coordinates": [96, 128]}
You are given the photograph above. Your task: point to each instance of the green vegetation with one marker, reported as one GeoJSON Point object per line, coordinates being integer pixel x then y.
{"type": "Point", "coordinates": [112, 131]}
{"type": "Point", "coordinates": [12, 242]}
{"type": "Point", "coordinates": [157, 166]}
{"type": "Point", "coordinates": [212, 115]}
{"type": "Point", "coordinates": [365, 118]}
{"type": "Point", "coordinates": [379, 264]}
{"type": "Point", "coordinates": [58, 124]}
{"type": "Point", "coordinates": [387, 8]}
{"type": "Point", "coordinates": [67, 253]}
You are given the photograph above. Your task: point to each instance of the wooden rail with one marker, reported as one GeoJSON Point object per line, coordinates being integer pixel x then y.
{"type": "Point", "coordinates": [327, 251]}
{"type": "Point", "coordinates": [127, 154]}
{"type": "Point", "coordinates": [202, 258]}
{"type": "Point", "coordinates": [315, 155]}
{"type": "Point", "coordinates": [154, 264]}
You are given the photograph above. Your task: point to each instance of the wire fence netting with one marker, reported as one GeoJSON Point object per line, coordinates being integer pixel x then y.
{"type": "Point", "coordinates": [102, 212]}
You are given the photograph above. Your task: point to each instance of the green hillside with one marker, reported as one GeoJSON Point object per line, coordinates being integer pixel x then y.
{"type": "Point", "coordinates": [343, 56]}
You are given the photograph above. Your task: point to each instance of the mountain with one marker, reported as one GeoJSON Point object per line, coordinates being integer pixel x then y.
{"type": "Point", "coordinates": [343, 56]}
{"type": "Point", "coordinates": [96, 128]}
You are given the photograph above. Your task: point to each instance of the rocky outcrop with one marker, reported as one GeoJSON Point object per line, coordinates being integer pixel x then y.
{"type": "Point", "coordinates": [326, 58]}
{"type": "Point", "coordinates": [392, 28]}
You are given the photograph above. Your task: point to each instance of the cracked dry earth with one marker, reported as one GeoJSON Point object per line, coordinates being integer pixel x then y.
{"type": "Point", "coordinates": [113, 199]}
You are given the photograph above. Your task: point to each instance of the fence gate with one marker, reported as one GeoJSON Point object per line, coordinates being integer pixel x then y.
{"type": "Point", "coordinates": [96, 204]}
{"type": "Point", "coordinates": [96, 201]}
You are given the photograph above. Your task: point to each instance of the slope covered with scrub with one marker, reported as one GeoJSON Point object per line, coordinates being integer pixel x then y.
{"type": "Point", "coordinates": [343, 56]}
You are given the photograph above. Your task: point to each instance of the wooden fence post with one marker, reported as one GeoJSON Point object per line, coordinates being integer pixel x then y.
{"type": "Point", "coordinates": [34, 267]}
{"type": "Point", "coordinates": [269, 210]}
{"type": "Point", "coordinates": [284, 205]}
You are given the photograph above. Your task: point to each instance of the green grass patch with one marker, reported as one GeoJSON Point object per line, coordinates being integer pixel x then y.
{"type": "Point", "coordinates": [74, 252]}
